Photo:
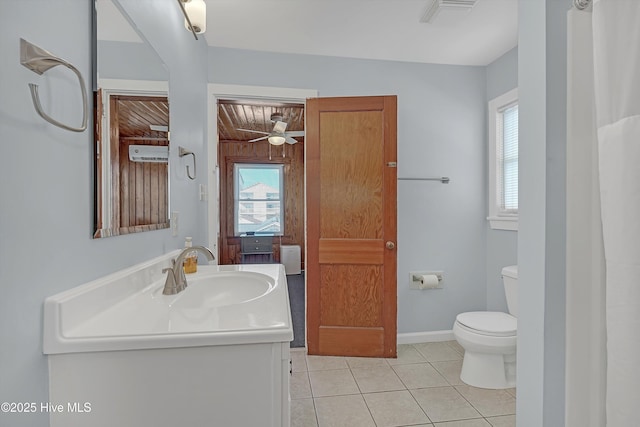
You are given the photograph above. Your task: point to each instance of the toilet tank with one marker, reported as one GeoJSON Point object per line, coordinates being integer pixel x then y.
{"type": "Point", "coordinates": [510, 280]}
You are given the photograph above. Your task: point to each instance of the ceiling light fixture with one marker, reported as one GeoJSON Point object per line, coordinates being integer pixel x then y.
{"type": "Point", "coordinates": [195, 16]}
{"type": "Point", "coordinates": [276, 139]}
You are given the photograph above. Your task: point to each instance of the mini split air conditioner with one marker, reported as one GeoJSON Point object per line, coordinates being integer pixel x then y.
{"type": "Point", "coordinates": [149, 153]}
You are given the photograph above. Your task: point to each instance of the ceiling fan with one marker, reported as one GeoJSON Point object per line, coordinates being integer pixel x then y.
{"type": "Point", "coordinates": [278, 135]}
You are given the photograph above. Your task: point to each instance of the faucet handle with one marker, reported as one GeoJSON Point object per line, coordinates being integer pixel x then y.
{"type": "Point", "coordinates": [170, 287]}
{"type": "Point", "coordinates": [173, 266]}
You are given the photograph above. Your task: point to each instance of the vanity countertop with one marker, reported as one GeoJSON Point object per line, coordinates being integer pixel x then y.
{"type": "Point", "coordinates": [222, 305]}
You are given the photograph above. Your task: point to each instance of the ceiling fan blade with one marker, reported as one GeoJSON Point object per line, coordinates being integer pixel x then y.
{"type": "Point", "coordinates": [254, 131]}
{"type": "Point", "coordinates": [279, 127]}
{"type": "Point", "coordinates": [289, 140]}
{"type": "Point", "coordinates": [258, 139]}
{"type": "Point", "coordinates": [295, 133]}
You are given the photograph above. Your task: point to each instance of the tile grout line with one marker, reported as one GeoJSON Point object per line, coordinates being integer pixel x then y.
{"type": "Point", "coordinates": [472, 405]}
{"type": "Point", "coordinates": [365, 401]}
{"type": "Point", "coordinates": [412, 395]}
{"type": "Point", "coordinates": [313, 399]}
{"type": "Point", "coordinates": [449, 385]}
{"type": "Point", "coordinates": [362, 394]}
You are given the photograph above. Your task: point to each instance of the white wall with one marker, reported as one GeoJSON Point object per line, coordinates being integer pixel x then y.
{"type": "Point", "coordinates": [502, 245]}
{"type": "Point", "coordinates": [441, 132]}
{"type": "Point", "coordinates": [46, 190]}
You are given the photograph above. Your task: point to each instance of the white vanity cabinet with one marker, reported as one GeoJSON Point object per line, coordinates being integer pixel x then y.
{"type": "Point", "coordinates": [227, 386]}
{"type": "Point", "coordinates": [217, 354]}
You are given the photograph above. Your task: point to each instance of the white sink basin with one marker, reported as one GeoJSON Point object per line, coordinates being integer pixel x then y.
{"type": "Point", "coordinates": [223, 289]}
{"type": "Point", "coordinates": [222, 305]}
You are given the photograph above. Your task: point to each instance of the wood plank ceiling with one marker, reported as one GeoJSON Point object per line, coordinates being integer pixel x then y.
{"type": "Point", "coordinates": [137, 113]}
{"type": "Point", "coordinates": [255, 115]}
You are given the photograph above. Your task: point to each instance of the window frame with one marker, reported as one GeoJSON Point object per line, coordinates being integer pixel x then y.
{"type": "Point", "coordinates": [237, 200]}
{"type": "Point", "coordinates": [498, 219]}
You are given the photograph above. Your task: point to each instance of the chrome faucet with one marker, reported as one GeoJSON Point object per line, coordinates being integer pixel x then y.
{"type": "Point", "coordinates": [176, 281]}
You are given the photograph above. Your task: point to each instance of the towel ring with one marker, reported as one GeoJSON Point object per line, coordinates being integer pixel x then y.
{"type": "Point", "coordinates": [39, 61]}
{"type": "Point", "coordinates": [184, 152]}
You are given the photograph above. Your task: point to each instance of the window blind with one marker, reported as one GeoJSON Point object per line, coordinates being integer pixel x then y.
{"type": "Point", "coordinates": [507, 153]}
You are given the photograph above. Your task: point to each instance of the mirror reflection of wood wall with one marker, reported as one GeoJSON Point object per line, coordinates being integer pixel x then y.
{"type": "Point", "coordinates": [140, 194]}
{"type": "Point", "coordinates": [140, 188]}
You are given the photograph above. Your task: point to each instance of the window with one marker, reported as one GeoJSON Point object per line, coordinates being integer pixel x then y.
{"type": "Point", "coordinates": [503, 161]}
{"type": "Point", "coordinates": [258, 198]}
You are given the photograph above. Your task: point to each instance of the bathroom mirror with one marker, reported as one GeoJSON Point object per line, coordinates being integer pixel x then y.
{"type": "Point", "coordinates": [131, 128]}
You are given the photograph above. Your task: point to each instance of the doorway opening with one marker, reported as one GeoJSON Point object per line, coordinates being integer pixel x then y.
{"type": "Point", "coordinates": [261, 184]}
{"type": "Point", "coordinates": [258, 188]}
{"type": "Point", "coordinates": [262, 191]}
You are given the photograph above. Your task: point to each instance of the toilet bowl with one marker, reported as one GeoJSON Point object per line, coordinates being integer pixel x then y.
{"type": "Point", "coordinates": [489, 340]}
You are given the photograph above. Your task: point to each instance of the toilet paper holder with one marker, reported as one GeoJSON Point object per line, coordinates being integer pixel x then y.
{"type": "Point", "coordinates": [416, 279]}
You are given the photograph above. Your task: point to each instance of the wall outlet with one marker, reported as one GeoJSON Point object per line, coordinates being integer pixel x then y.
{"type": "Point", "coordinates": [174, 223]}
{"type": "Point", "coordinates": [415, 276]}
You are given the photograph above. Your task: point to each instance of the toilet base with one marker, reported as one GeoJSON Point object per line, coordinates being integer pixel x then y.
{"type": "Point", "coordinates": [492, 371]}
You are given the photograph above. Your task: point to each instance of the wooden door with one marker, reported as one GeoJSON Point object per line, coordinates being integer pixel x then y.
{"type": "Point", "coordinates": [351, 226]}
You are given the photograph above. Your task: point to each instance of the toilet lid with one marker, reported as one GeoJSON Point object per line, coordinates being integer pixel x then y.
{"type": "Point", "coordinates": [489, 322]}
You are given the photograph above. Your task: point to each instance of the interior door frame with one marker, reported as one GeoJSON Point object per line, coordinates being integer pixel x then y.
{"type": "Point", "coordinates": [223, 91]}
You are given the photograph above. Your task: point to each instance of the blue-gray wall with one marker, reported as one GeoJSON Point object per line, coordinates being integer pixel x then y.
{"type": "Point", "coordinates": [542, 88]}
{"type": "Point", "coordinates": [130, 61]}
{"type": "Point", "coordinates": [46, 190]}
{"type": "Point", "coordinates": [441, 132]}
{"type": "Point", "coordinates": [502, 245]}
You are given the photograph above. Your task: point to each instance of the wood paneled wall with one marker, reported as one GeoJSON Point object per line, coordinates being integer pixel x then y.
{"type": "Point", "coordinates": [143, 190]}
{"type": "Point", "coordinates": [231, 152]}
{"type": "Point", "coordinates": [140, 190]}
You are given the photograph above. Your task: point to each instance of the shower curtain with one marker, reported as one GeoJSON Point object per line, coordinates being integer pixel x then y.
{"type": "Point", "coordinates": [616, 41]}
{"type": "Point", "coordinates": [585, 316]}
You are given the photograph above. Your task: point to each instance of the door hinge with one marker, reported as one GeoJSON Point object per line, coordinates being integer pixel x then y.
{"type": "Point", "coordinates": [392, 164]}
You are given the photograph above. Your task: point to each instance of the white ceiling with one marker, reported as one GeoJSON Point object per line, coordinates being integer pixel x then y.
{"type": "Point", "coordinates": [371, 29]}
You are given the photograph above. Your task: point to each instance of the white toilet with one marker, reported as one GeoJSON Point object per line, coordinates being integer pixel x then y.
{"type": "Point", "coordinates": [489, 340]}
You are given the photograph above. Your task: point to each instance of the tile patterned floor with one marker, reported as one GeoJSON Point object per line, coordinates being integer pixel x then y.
{"type": "Point", "coordinates": [420, 388]}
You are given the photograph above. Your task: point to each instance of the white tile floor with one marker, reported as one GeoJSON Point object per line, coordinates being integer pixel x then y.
{"type": "Point", "coordinates": [420, 388]}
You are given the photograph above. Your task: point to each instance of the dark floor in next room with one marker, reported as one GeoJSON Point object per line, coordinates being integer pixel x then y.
{"type": "Point", "coordinates": [295, 283]}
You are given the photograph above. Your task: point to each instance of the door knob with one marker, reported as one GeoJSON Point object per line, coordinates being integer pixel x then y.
{"type": "Point", "coordinates": [390, 245]}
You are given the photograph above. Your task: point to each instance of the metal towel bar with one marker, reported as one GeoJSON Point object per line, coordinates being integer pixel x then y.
{"type": "Point", "coordinates": [39, 61]}
{"type": "Point", "coordinates": [442, 179]}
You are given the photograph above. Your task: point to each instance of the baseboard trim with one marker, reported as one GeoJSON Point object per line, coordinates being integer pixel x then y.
{"type": "Point", "coordinates": [418, 337]}
{"type": "Point", "coordinates": [409, 338]}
